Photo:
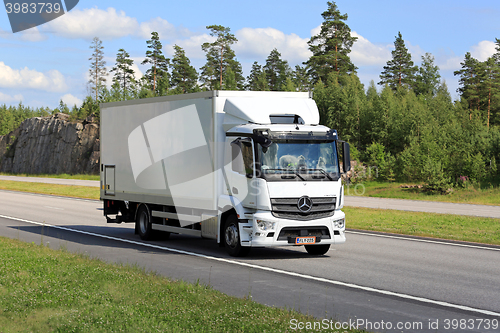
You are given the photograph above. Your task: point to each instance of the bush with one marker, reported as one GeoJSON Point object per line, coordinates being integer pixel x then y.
{"type": "Point", "coordinates": [385, 162]}
{"type": "Point", "coordinates": [436, 179]}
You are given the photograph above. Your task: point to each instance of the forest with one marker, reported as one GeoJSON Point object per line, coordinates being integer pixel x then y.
{"type": "Point", "coordinates": [405, 127]}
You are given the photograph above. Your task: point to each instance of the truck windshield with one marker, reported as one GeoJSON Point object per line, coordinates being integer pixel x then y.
{"type": "Point", "coordinates": [309, 160]}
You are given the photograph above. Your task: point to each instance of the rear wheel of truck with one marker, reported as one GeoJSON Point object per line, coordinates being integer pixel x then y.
{"type": "Point", "coordinates": [231, 237]}
{"type": "Point", "coordinates": [317, 250]}
{"type": "Point", "coordinates": [143, 223]}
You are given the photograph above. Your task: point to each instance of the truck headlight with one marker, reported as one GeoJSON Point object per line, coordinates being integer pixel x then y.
{"type": "Point", "coordinates": [339, 223]}
{"type": "Point", "coordinates": [265, 225]}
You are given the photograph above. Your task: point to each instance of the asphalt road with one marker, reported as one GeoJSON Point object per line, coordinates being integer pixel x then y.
{"type": "Point", "coordinates": [353, 201]}
{"type": "Point", "coordinates": [371, 279]}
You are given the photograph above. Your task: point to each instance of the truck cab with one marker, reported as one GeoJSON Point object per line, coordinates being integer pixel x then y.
{"type": "Point", "coordinates": [284, 181]}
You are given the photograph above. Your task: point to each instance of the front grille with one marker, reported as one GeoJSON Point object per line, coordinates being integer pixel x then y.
{"type": "Point", "coordinates": [287, 208]}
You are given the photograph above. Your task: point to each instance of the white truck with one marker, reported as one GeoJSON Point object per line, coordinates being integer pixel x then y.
{"type": "Point", "coordinates": [248, 169]}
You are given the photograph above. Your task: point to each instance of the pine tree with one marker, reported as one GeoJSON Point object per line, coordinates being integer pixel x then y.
{"type": "Point", "coordinates": [124, 74]}
{"type": "Point", "coordinates": [220, 56]}
{"type": "Point", "coordinates": [489, 85]}
{"type": "Point", "coordinates": [301, 79]}
{"type": "Point", "coordinates": [496, 56]}
{"type": "Point", "coordinates": [331, 47]}
{"type": "Point", "coordinates": [229, 80]}
{"type": "Point", "coordinates": [184, 76]}
{"type": "Point", "coordinates": [277, 70]}
{"type": "Point", "coordinates": [97, 71]}
{"type": "Point", "coordinates": [289, 85]}
{"type": "Point", "coordinates": [399, 71]}
{"type": "Point", "coordinates": [495, 103]}
{"type": "Point", "coordinates": [236, 68]}
{"type": "Point", "coordinates": [157, 76]}
{"type": "Point", "coordinates": [6, 120]}
{"type": "Point", "coordinates": [63, 107]}
{"type": "Point", "coordinates": [257, 80]}
{"type": "Point", "coordinates": [428, 77]}
{"type": "Point", "coordinates": [469, 82]}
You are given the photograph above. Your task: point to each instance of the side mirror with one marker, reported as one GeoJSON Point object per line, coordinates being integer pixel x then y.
{"type": "Point", "coordinates": [346, 157]}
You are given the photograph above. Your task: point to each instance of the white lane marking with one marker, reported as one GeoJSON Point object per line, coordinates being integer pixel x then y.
{"type": "Point", "coordinates": [274, 270]}
{"type": "Point", "coordinates": [54, 207]}
{"type": "Point", "coordinates": [424, 240]}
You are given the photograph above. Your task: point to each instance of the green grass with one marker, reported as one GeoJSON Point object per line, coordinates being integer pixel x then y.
{"type": "Point", "coordinates": [44, 290]}
{"type": "Point", "coordinates": [471, 195]}
{"type": "Point", "coordinates": [62, 176]}
{"type": "Point", "coordinates": [52, 189]}
{"type": "Point", "coordinates": [444, 226]}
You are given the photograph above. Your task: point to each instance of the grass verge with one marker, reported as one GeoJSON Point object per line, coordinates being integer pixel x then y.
{"type": "Point", "coordinates": [470, 195]}
{"type": "Point", "coordinates": [444, 226]}
{"type": "Point", "coordinates": [86, 192]}
{"type": "Point", "coordinates": [61, 176]}
{"type": "Point", "coordinates": [44, 290]}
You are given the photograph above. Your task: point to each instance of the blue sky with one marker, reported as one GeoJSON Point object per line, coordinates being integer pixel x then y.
{"type": "Point", "coordinates": [42, 65]}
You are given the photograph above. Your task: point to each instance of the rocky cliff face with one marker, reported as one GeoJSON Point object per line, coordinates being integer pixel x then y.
{"type": "Point", "coordinates": [51, 145]}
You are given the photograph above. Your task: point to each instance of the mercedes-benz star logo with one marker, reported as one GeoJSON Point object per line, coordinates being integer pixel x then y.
{"type": "Point", "coordinates": [304, 204]}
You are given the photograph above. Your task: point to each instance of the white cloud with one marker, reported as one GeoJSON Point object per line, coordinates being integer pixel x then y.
{"type": "Point", "coordinates": [161, 26]}
{"type": "Point", "coordinates": [29, 35]}
{"type": "Point", "coordinates": [365, 53]}
{"type": "Point", "coordinates": [32, 35]}
{"type": "Point", "coordinates": [192, 46]}
{"type": "Point", "coordinates": [165, 29]}
{"type": "Point", "coordinates": [51, 81]}
{"type": "Point", "coordinates": [71, 100]}
{"type": "Point", "coordinates": [483, 50]}
{"type": "Point", "coordinates": [416, 52]}
{"type": "Point", "coordinates": [4, 98]}
{"type": "Point", "coordinates": [449, 63]}
{"type": "Point", "coordinates": [111, 23]}
{"type": "Point", "coordinates": [93, 22]}
{"type": "Point", "coordinates": [137, 72]}
{"type": "Point", "coordinates": [259, 42]}
{"type": "Point", "coordinates": [316, 30]}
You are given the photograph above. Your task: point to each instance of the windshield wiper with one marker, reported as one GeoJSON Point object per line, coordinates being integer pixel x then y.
{"type": "Point", "coordinates": [288, 171]}
{"type": "Point", "coordinates": [322, 171]}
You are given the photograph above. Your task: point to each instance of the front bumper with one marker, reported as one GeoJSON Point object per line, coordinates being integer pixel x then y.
{"type": "Point", "coordinates": [283, 231]}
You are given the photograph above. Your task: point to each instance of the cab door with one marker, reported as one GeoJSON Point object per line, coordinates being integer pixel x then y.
{"type": "Point", "coordinates": [239, 169]}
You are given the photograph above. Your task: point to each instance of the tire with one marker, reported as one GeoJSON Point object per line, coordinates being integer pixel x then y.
{"type": "Point", "coordinates": [143, 223]}
{"type": "Point", "coordinates": [317, 250]}
{"type": "Point", "coordinates": [232, 241]}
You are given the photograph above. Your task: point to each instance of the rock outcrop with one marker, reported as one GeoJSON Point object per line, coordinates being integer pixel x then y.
{"type": "Point", "coordinates": [51, 145]}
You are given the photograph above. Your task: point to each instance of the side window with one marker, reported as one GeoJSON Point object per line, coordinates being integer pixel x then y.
{"type": "Point", "coordinates": [246, 150]}
{"type": "Point", "coordinates": [236, 157]}
{"type": "Point", "coordinates": [242, 157]}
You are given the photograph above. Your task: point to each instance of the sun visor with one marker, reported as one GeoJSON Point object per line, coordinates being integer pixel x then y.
{"type": "Point", "coordinates": [257, 110]}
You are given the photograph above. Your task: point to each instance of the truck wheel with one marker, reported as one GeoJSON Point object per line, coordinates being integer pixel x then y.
{"type": "Point", "coordinates": [143, 223]}
{"type": "Point", "coordinates": [317, 250]}
{"type": "Point", "coordinates": [232, 238]}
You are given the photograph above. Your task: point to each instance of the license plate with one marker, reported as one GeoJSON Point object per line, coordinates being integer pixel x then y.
{"type": "Point", "coordinates": [305, 240]}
